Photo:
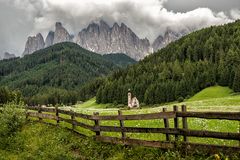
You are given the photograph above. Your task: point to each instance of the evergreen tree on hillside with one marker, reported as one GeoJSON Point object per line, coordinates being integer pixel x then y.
{"type": "Point", "coordinates": [236, 81]}
{"type": "Point", "coordinates": [201, 59]}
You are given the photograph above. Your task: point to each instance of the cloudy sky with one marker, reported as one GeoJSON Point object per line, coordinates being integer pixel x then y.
{"type": "Point", "coordinates": [147, 18]}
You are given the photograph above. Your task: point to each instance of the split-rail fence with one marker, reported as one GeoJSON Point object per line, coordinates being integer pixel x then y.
{"type": "Point", "coordinates": [177, 137]}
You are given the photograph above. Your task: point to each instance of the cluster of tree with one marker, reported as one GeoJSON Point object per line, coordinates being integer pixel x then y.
{"type": "Point", "coordinates": [204, 58]}
{"type": "Point", "coordinates": [53, 96]}
{"type": "Point", "coordinates": [7, 96]}
{"type": "Point", "coordinates": [64, 66]}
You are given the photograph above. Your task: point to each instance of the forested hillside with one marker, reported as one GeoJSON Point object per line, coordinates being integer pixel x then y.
{"type": "Point", "coordinates": [55, 74]}
{"type": "Point", "coordinates": [204, 58]}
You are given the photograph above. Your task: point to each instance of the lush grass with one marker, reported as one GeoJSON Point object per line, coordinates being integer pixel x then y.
{"type": "Point", "coordinates": [41, 141]}
{"type": "Point", "coordinates": [215, 98]}
{"type": "Point", "coordinates": [212, 92]}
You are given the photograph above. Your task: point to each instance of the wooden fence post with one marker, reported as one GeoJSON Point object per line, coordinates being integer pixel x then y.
{"type": "Point", "coordinates": [122, 125]}
{"type": "Point", "coordinates": [57, 115]}
{"type": "Point", "coordinates": [239, 132]}
{"type": "Point", "coordinates": [166, 125]}
{"type": "Point", "coordinates": [73, 120]}
{"type": "Point", "coordinates": [39, 113]}
{"type": "Point", "coordinates": [176, 124]}
{"type": "Point", "coordinates": [184, 122]}
{"type": "Point", "coordinates": [96, 126]}
{"type": "Point", "coordinates": [26, 111]}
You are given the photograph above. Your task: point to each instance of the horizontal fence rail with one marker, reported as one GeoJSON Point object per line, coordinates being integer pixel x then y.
{"type": "Point", "coordinates": [170, 143]}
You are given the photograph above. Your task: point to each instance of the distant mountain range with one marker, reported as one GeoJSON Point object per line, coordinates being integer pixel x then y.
{"type": "Point", "coordinates": [103, 39]}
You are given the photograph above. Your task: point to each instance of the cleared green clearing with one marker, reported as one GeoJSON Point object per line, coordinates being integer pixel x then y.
{"type": "Point", "coordinates": [212, 92]}
{"type": "Point", "coordinates": [215, 98]}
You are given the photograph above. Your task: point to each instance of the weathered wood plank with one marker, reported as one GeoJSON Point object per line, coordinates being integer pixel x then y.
{"type": "Point", "coordinates": [209, 134]}
{"type": "Point", "coordinates": [41, 115]}
{"type": "Point", "coordinates": [137, 142]}
{"type": "Point", "coordinates": [173, 131]}
{"type": "Point", "coordinates": [65, 112]}
{"type": "Point", "coordinates": [43, 109]}
{"type": "Point", "coordinates": [211, 115]}
{"type": "Point", "coordinates": [205, 148]}
{"type": "Point", "coordinates": [137, 130]}
{"type": "Point", "coordinates": [149, 116]}
{"type": "Point", "coordinates": [84, 116]}
{"type": "Point", "coordinates": [32, 108]}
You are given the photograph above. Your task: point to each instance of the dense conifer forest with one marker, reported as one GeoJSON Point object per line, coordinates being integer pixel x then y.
{"type": "Point", "coordinates": [56, 74]}
{"type": "Point", "coordinates": [204, 58]}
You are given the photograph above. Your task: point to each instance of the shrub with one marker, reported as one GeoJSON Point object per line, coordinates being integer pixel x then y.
{"type": "Point", "coordinates": [180, 99]}
{"type": "Point", "coordinates": [12, 118]}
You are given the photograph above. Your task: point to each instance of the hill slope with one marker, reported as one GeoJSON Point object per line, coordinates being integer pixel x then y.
{"type": "Point", "coordinates": [64, 66]}
{"type": "Point", "coordinates": [212, 92]}
{"type": "Point", "coordinates": [204, 58]}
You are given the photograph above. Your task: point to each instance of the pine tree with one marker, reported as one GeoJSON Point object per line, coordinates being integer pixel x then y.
{"type": "Point", "coordinates": [236, 81]}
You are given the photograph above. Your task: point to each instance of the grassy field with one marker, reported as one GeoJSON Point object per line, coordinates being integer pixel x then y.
{"type": "Point", "coordinates": [40, 141]}
{"type": "Point", "coordinates": [215, 98]}
{"type": "Point", "coordinates": [43, 142]}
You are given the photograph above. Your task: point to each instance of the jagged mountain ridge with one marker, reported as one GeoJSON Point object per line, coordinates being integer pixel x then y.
{"type": "Point", "coordinates": [169, 36]}
{"type": "Point", "coordinates": [33, 44]}
{"type": "Point", "coordinates": [103, 39]}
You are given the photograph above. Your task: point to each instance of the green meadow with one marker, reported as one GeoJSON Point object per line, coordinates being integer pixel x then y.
{"type": "Point", "coordinates": [215, 98]}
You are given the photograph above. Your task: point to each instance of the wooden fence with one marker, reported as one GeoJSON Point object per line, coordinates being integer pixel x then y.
{"type": "Point", "coordinates": [171, 142]}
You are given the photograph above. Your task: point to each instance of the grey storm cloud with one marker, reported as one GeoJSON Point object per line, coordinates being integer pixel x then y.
{"type": "Point", "coordinates": [147, 18]}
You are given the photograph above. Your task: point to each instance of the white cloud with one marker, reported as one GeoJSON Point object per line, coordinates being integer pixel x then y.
{"type": "Point", "coordinates": [235, 14]}
{"type": "Point", "coordinates": [147, 18]}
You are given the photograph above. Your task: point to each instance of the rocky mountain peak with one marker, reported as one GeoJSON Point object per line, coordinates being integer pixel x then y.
{"type": "Point", "coordinates": [103, 39]}
{"type": "Point", "coordinates": [60, 34]}
{"type": "Point", "coordinates": [168, 37]}
{"type": "Point", "coordinates": [115, 25]}
{"type": "Point", "coordinates": [49, 39]}
{"type": "Point", "coordinates": [103, 24]}
{"type": "Point", "coordinates": [58, 25]}
{"type": "Point", "coordinates": [33, 44]}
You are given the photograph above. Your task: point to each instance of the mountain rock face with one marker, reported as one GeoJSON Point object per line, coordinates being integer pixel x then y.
{"type": "Point", "coordinates": [8, 55]}
{"type": "Point", "coordinates": [103, 39]}
{"type": "Point", "coordinates": [49, 39]}
{"type": "Point", "coordinates": [33, 44]}
{"type": "Point", "coordinates": [169, 36]}
{"type": "Point", "coordinates": [61, 34]}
